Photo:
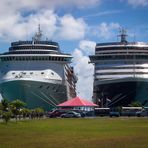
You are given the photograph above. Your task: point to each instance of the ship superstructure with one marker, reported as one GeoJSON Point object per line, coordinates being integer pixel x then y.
{"type": "Point", "coordinates": [121, 73]}
{"type": "Point", "coordinates": [36, 72]}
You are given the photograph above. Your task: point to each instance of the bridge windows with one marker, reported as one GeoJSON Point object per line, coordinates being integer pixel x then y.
{"type": "Point", "coordinates": [35, 58]}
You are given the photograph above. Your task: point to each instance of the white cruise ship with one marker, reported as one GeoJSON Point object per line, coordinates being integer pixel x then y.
{"type": "Point", "coordinates": [121, 73]}
{"type": "Point", "coordinates": [37, 73]}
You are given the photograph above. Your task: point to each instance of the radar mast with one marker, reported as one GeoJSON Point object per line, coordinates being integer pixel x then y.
{"type": "Point", "coordinates": [123, 35]}
{"type": "Point", "coordinates": [38, 35]}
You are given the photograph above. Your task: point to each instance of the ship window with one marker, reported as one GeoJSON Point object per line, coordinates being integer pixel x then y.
{"type": "Point", "coordinates": [42, 73]}
{"type": "Point", "coordinates": [31, 73]}
{"type": "Point", "coordinates": [13, 73]}
{"type": "Point", "coordinates": [52, 73]}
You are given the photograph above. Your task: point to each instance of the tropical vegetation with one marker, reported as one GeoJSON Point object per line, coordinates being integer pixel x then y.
{"type": "Point", "coordinates": [16, 109]}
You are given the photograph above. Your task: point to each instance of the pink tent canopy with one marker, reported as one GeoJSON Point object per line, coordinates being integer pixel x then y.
{"type": "Point", "coordinates": [77, 102]}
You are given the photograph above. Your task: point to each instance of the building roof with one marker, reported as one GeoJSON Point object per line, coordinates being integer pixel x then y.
{"type": "Point", "coordinates": [77, 101]}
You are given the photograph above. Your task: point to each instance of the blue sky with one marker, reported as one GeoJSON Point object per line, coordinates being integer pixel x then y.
{"type": "Point", "coordinates": [76, 25]}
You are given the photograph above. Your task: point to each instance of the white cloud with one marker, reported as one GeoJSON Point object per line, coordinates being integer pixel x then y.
{"type": "Point", "coordinates": [25, 5]}
{"type": "Point", "coordinates": [106, 31]}
{"type": "Point", "coordinates": [17, 27]}
{"type": "Point", "coordinates": [83, 69]}
{"type": "Point", "coordinates": [88, 47]}
{"type": "Point", "coordinates": [136, 3]}
{"type": "Point", "coordinates": [20, 17]}
{"type": "Point", "coordinates": [72, 28]}
{"type": "Point", "coordinates": [59, 3]}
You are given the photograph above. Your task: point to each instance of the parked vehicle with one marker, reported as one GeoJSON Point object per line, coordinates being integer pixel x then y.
{"type": "Point", "coordinates": [101, 112]}
{"type": "Point", "coordinates": [83, 113]}
{"type": "Point", "coordinates": [56, 113]}
{"type": "Point", "coordinates": [142, 113]}
{"type": "Point", "coordinates": [114, 114]}
{"type": "Point", "coordinates": [71, 114]}
{"type": "Point", "coordinates": [130, 111]}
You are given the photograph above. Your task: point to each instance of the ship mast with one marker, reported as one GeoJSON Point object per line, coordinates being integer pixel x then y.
{"type": "Point", "coordinates": [123, 35]}
{"type": "Point", "coordinates": [38, 35]}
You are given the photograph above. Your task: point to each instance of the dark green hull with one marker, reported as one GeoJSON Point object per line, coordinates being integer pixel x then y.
{"type": "Point", "coordinates": [34, 93]}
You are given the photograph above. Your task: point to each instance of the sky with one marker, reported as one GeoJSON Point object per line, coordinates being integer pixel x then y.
{"type": "Point", "coordinates": [77, 25]}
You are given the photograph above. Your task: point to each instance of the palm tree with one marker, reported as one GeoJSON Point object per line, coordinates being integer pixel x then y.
{"type": "Point", "coordinates": [6, 116]}
{"type": "Point", "coordinates": [16, 106]}
{"type": "Point", "coordinates": [1, 113]}
{"type": "Point", "coordinates": [25, 112]}
{"type": "Point", "coordinates": [4, 105]}
{"type": "Point", "coordinates": [5, 111]}
{"type": "Point", "coordinates": [39, 112]}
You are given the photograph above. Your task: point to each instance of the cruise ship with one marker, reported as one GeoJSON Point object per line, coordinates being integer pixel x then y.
{"type": "Point", "coordinates": [37, 73]}
{"type": "Point", "coordinates": [121, 73]}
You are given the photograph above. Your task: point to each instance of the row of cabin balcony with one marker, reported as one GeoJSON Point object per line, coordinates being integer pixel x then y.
{"type": "Point", "coordinates": [121, 48]}
{"type": "Point", "coordinates": [105, 77]}
{"type": "Point", "coordinates": [120, 73]}
{"type": "Point", "coordinates": [121, 67]}
{"type": "Point", "coordinates": [33, 48]}
{"type": "Point", "coordinates": [133, 69]}
{"type": "Point", "coordinates": [121, 43]}
{"type": "Point", "coordinates": [18, 43]}
{"type": "Point", "coordinates": [118, 57]}
{"type": "Point", "coordinates": [31, 52]}
{"type": "Point", "coordinates": [118, 52]}
{"type": "Point", "coordinates": [35, 58]}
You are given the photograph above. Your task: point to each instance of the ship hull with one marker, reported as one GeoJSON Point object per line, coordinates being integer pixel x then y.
{"type": "Point", "coordinates": [121, 93]}
{"type": "Point", "coordinates": [34, 93]}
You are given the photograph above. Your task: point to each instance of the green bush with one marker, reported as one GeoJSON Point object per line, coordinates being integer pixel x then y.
{"type": "Point", "coordinates": [6, 116]}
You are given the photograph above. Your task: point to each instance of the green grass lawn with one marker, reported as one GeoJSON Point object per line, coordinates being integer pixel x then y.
{"type": "Point", "coordinates": [76, 133]}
